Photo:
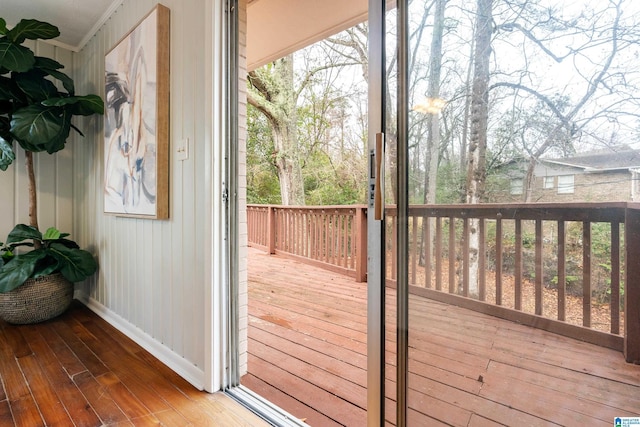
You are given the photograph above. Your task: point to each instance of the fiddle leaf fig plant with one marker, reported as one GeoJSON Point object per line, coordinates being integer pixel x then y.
{"type": "Point", "coordinates": [56, 253]}
{"type": "Point", "coordinates": [37, 104]}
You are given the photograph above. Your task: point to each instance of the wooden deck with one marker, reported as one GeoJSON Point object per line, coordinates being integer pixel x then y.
{"type": "Point", "coordinates": [77, 370]}
{"type": "Point", "coordinates": [307, 353]}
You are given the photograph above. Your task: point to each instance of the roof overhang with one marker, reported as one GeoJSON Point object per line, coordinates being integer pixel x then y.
{"type": "Point", "coordinates": [589, 169]}
{"type": "Point", "coordinates": [276, 28]}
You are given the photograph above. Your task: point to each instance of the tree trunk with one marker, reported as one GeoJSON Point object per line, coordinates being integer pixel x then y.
{"type": "Point", "coordinates": [476, 172]}
{"type": "Point", "coordinates": [33, 195]}
{"type": "Point", "coordinates": [433, 130]}
{"type": "Point", "coordinates": [272, 92]}
{"type": "Point", "coordinates": [287, 163]}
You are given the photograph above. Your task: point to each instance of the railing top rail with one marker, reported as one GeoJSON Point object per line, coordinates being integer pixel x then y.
{"type": "Point", "coordinates": [576, 211]}
{"type": "Point", "coordinates": [310, 208]}
{"type": "Point", "coordinates": [593, 212]}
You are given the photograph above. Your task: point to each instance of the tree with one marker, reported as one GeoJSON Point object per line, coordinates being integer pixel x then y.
{"type": "Point", "coordinates": [433, 95]}
{"type": "Point", "coordinates": [300, 104]}
{"type": "Point", "coordinates": [476, 173]}
{"type": "Point", "coordinates": [598, 44]}
{"type": "Point", "coordinates": [271, 91]}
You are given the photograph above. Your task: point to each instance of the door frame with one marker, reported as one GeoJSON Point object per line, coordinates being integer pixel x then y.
{"type": "Point", "coordinates": [375, 228]}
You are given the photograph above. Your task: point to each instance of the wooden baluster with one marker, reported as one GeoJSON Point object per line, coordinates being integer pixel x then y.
{"type": "Point", "coordinates": [345, 240]}
{"type": "Point", "coordinates": [414, 256]}
{"type": "Point", "coordinates": [338, 235]}
{"type": "Point", "coordinates": [327, 237]}
{"type": "Point", "coordinates": [438, 249]}
{"type": "Point", "coordinates": [615, 278]}
{"type": "Point", "coordinates": [452, 255]}
{"type": "Point", "coordinates": [394, 252]}
{"type": "Point", "coordinates": [518, 266]}
{"type": "Point", "coordinates": [562, 272]}
{"type": "Point", "coordinates": [361, 244]}
{"type": "Point", "coordinates": [465, 257]}
{"type": "Point", "coordinates": [271, 230]}
{"type": "Point", "coordinates": [426, 225]}
{"type": "Point", "coordinates": [482, 258]}
{"type": "Point", "coordinates": [586, 274]}
{"type": "Point", "coordinates": [538, 283]}
{"type": "Point", "coordinates": [499, 261]}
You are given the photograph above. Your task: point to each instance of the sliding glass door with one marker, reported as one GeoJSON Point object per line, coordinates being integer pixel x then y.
{"type": "Point", "coordinates": [404, 120]}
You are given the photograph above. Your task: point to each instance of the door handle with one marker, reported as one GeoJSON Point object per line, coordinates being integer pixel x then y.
{"type": "Point", "coordinates": [378, 197]}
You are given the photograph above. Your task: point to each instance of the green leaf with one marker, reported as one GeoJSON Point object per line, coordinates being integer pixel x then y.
{"type": "Point", "coordinates": [5, 89]}
{"type": "Point", "coordinates": [21, 267]}
{"type": "Point", "coordinates": [52, 233]}
{"type": "Point", "coordinates": [75, 264]}
{"type": "Point", "coordinates": [86, 105]}
{"type": "Point", "coordinates": [47, 63]}
{"type": "Point", "coordinates": [67, 83]}
{"type": "Point", "coordinates": [7, 156]}
{"type": "Point", "coordinates": [57, 143]}
{"type": "Point", "coordinates": [35, 86]}
{"type": "Point", "coordinates": [89, 105]}
{"type": "Point", "coordinates": [3, 26]}
{"type": "Point", "coordinates": [51, 67]}
{"type": "Point", "coordinates": [66, 242]}
{"type": "Point", "coordinates": [37, 125]}
{"type": "Point", "coordinates": [23, 232]}
{"type": "Point", "coordinates": [32, 29]}
{"type": "Point", "coordinates": [15, 57]}
{"type": "Point", "coordinates": [44, 269]}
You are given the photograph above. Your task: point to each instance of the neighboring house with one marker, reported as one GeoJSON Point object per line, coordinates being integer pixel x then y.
{"type": "Point", "coordinates": [611, 174]}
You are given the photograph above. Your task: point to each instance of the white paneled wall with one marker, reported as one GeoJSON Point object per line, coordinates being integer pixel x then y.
{"type": "Point", "coordinates": [155, 277]}
{"type": "Point", "coordinates": [54, 176]}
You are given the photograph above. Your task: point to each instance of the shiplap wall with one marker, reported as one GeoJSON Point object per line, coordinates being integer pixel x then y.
{"type": "Point", "coordinates": [54, 175]}
{"type": "Point", "coordinates": [156, 277]}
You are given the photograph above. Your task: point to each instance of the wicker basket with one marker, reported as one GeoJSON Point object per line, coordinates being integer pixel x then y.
{"type": "Point", "coordinates": [36, 300]}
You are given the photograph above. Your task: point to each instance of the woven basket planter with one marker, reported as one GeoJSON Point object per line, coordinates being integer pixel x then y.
{"type": "Point", "coordinates": [36, 300]}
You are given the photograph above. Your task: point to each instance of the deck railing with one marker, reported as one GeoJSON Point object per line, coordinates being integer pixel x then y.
{"type": "Point", "coordinates": [538, 261]}
{"type": "Point", "coordinates": [333, 237]}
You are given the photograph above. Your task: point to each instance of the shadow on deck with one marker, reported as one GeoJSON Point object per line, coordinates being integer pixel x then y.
{"type": "Point", "coordinates": [307, 354]}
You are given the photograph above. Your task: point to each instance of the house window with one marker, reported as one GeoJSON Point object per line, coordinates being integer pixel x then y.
{"type": "Point", "coordinates": [548, 182]}
{"type": "Point", "coordinates": [516, 186]}
{"type": "Point", "coordinates": [565, 184]}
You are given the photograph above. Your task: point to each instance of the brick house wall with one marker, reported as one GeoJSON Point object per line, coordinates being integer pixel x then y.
{"type": "Point", "coordinates": [587, 187]}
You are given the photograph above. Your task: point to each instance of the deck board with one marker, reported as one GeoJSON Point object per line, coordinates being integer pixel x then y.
{"type": "Point", "coordinates": [307, 345]}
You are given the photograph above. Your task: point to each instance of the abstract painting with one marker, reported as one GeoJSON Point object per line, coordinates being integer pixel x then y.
{"type": "Point", "coordinates": [136, 156]}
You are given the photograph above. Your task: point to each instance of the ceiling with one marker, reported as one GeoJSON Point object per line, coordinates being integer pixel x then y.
{"type": "Point", "coordinates": [77, 20]}
{"type": "Point", "coordinates": [275, 27]}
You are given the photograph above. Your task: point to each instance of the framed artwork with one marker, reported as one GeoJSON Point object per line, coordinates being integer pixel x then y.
{"type": "Point", "coordinates": [136, 131]}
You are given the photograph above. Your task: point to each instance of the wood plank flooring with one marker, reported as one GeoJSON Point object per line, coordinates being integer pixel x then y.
{"type": "Point", "coordinates": [307, 353]}
{"type": "Point", "coordinates": [77, 370]}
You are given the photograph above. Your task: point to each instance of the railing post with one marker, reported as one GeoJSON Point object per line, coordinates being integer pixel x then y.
{"type": "Point", "coordinates": [271, 230]}
{"type": "Point", "coordinates": [632, 285]}
{"type": "Point", "coordinates": [361, 244]}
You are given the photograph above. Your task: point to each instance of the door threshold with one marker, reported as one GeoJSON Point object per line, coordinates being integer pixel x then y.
{"type": "Point", "coordinates": [263, 408]}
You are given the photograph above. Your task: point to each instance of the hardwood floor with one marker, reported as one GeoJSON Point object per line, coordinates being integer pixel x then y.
{"type": "Point", "coordinates": [77, 370]}
{"type": "Point", "coordinates": [307, 353]}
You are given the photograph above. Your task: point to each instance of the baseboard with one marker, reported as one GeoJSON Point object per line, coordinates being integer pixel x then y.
{"type": "Point", "coordinates": [163, 353]}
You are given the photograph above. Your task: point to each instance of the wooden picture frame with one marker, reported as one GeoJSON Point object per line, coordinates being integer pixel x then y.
{"type": "Point", "coordinates": [136, 130]}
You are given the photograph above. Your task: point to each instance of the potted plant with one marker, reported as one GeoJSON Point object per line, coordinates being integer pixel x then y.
{"type": "Point", "coordinates": [37, 102]}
